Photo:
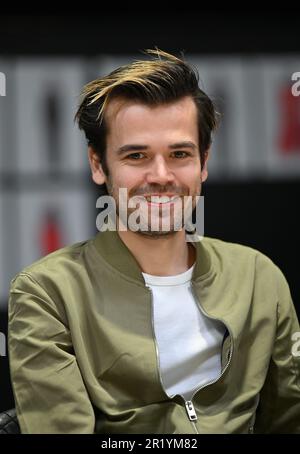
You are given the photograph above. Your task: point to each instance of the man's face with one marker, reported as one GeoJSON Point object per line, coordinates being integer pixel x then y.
{"type": "Point", "coordinates": [152, 151]}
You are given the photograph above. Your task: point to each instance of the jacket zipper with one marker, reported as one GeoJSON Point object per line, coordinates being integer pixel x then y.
{"type": "Point", "coordinates": [154, 336]}
{"type": "Point", "coordinates": [191, 412]}
{"type": "Point", "coordinates": [189, 406]}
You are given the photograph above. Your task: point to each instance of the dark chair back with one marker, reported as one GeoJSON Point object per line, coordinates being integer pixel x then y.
{"type": "Point", "coordinates": [9, 422]}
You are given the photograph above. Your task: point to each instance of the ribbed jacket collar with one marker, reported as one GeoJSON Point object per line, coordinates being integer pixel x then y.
{"type": "Point", "coordinates": [114, 251]}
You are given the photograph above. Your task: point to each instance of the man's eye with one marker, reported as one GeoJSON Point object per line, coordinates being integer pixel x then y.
{"type": "Point", "coordinates": [135, 156]}
{"type": "Point", "coordinates": [181, 154]}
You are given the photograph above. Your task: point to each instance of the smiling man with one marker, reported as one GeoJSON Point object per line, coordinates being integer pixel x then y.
{"type": "Point", "coordinates": [139, 330]}
{"type": "Point", "coordinates": [153, 152]}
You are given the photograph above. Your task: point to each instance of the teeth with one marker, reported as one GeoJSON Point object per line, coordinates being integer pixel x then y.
{"type": "Point", "coordinates": [160, 199]}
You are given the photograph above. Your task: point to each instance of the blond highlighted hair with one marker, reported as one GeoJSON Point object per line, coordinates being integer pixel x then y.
{"type": "Point", "coordinates": [160, 79]}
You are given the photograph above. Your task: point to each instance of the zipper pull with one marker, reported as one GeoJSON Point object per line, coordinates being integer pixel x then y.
{"type": "Point", "coordinates": [190, 409]}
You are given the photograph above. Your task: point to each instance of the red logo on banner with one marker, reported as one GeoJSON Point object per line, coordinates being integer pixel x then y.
{"type": "Point", "coordinates": [289, 139]}
{"type": "Point", "coordinates": [51, 234]}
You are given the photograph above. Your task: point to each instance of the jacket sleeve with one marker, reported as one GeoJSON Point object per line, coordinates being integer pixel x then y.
{"type": "Point", "coordinates": [50, 395]}
{"type": "Point", "coordinates": [279, 408]}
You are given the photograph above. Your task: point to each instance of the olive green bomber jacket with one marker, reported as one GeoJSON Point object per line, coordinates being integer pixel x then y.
{"type": "Point", "coordinates": [83, 354]}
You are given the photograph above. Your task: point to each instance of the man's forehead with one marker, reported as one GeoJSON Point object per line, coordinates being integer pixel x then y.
{"type": "Point", "coordinates": [121, 104]}
{"type": "Point", "coordinates": [140, 126]}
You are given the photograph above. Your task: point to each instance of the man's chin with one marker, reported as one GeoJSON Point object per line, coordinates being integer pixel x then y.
{"type": "Point", "coordinates": [157, 234]}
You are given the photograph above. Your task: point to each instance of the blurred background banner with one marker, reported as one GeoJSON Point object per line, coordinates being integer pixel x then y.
{"type": "Point", "coordinates": [47, 92]}
{"type": "Point", "coordinates": [48, 200]}
{"type": "Point", "coordinates": [245, 63]}
{"type": "Point", "coordinates": [3, 293]}
{"type": "Point", "coordinates": [222, 78]}
{"type": "Point", "coordinates": [46, 191]}
{"type": "Point", "coordinates": [282, 117]}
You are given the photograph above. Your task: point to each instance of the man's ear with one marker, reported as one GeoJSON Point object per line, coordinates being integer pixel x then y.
{"type": "Point", "coordinates": [204, 170]}
{"type": "Point", "coordinates": [98, 175]}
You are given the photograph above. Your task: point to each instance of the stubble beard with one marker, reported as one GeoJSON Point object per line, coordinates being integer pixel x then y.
{"type": "Point", "coordinates": [176, 217]}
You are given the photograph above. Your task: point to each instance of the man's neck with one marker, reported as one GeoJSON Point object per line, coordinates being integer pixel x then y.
{"type": "Point", "coordinates": [161, 256]}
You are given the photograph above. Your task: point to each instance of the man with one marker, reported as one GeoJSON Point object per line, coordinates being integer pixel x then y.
{"type": "Point", "coordinates": [139, 330]}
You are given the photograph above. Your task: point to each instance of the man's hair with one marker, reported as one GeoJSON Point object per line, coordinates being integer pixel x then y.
{"type": "Point", "coordinates": [161, 79]}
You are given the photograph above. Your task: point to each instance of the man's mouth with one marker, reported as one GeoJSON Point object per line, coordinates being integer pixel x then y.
{"type": "Point", "coordinates": [159, 200]}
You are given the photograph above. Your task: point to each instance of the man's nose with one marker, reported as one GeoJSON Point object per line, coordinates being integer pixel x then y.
{"type": "Point", "coordinates": [159, 171]}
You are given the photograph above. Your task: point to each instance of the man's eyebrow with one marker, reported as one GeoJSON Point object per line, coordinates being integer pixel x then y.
{"type": "Point", "coordinates": [131, 147]}
{"type": "Point", "coordinates": [140, 147]}
{"type": "Point", "coordinates": [185, 144]}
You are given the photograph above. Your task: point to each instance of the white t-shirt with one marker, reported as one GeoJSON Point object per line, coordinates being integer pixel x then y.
{"type": "Point", "coordinates": [189, 343]}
